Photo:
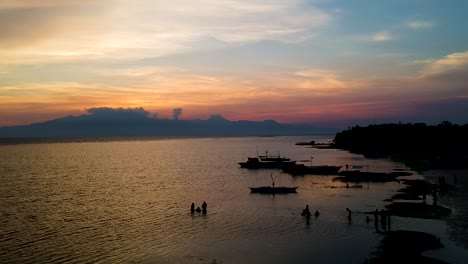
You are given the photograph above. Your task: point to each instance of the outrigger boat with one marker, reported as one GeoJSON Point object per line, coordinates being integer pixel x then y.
{"type": "Point", "coordinates": [302, 169]}
{"type": "Point", "coordinates": [266, 162]}
{"type": "Point", "coordinates": [367, 176]}
{"type": "Point", "coordinates": [272, 189]}
{"type": "Point", "coordinates": [271, 157]}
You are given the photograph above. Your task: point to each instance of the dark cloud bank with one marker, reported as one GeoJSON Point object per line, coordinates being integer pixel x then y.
{"type": "Point", "coordinates": [117, 122]}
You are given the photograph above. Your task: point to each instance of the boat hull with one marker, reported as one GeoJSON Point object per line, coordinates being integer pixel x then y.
{"type": "Point", "coordinates": [301, 169]}
{"type": "Point", "coordinates": [272, 190]}
{"type": "Point", "coordinates": [364, 176]}
{"type": "Point", "coordinates": [258, 164]}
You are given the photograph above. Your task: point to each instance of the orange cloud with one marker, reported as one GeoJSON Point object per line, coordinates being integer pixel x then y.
{"type": "Point", "coordinates": [302, 96]}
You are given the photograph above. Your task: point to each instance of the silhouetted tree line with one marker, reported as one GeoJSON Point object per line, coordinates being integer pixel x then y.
{"type": "Point", "coordinates": [421, 146]}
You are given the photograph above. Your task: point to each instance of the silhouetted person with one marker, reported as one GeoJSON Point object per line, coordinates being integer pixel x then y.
{"type": "Point", "coordinates": [389, 221]}
{"type": "Point", "coordinates": [316, 213]}
{"type": "Point", "coordinates": [367, 219]}
{"type": "Point", "coordinates": [349, 214]}
{"type": "Point", "coordinates": [424, 197]}
{"type": "Point", "coordinates": [383, 219]}
{"type": "Point", "coordinates": [192, 208]}
{"type": "Point", "coordinates": [198, 210]}
{"type": "Point", "coordinates": [376, 219]}
{"type": "Point", "coordinates": [347, 185]}
{"type": "Point", "coordinates": [306, 211]}
{"type": "Point", "coordinates": [434, 196]}
{"type": "Point", "coordinates": [204, 205]}
{"type": "Point", "coordinates": [441, 180]}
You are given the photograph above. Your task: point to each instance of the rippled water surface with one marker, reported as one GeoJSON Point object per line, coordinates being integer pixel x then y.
{"type": "Point", "coordinates": [128, 201]}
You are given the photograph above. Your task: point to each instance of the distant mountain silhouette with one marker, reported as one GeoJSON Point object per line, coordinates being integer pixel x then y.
{"type": "Point", "coordinates": [117, 122]}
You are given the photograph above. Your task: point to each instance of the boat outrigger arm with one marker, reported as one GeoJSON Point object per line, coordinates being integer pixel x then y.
{"type": "Point", "coordinates": [273, 180]}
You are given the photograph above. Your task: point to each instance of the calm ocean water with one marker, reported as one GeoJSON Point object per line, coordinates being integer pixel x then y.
{"type": "Point", "coordinates": [128, 201]}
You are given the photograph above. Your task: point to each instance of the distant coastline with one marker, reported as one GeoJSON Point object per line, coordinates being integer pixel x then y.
{"type": "Point", "coordinates": [48, 140]}
{"type": "Point", "coordinates": [115, 123]}
{"type": "Point", "coordinates": [421, 147]}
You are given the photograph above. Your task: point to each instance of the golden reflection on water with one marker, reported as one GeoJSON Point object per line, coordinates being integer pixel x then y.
{"type": "Point", "coordinates": [128, 201]}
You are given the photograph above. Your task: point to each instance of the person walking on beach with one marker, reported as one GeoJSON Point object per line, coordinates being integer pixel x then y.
{"type": "Point", "coordinates": [204, 205]}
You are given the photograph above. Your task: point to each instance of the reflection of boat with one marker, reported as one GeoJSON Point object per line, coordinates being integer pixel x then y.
{"type": "Point", "coordinates": [301, 169]}
{"type": "Point", "coordinates": [266, 162]}
{"type": "Point", "coordinates": [272, 189]}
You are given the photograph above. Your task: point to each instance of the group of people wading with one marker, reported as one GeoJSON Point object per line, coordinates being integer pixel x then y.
{"type": "Point", "coordinates": [385, 219]}
{"type": "Point", "coordinates": [198, 210]}
{"type": "Point", "coordinates": [306, 213]}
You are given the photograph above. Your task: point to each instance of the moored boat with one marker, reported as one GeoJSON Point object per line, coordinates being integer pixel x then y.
{"type": "Point", "coordinates": [267, 162]}
{"type": "Point", "coordinates": [304, 143]}
{"type": "Point", "coordinates": [272, 190]}
{"type": "Point", "coordinates": [256, 163]}
{"type": "Point", "coordinates": [301, 169]}
{"type": "Point", "coordinates": [366, 176]}
{"type": "Point", "coordinates": [272, 157]}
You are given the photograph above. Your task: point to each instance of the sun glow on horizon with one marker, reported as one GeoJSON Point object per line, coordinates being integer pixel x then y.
{"type": "Point", "coordinates": [294, 62]}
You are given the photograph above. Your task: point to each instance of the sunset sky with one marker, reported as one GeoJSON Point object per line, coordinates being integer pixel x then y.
{"type": "Point", "coordinates": [326, 62]}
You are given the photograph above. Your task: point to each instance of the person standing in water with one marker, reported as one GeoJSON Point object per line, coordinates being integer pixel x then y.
{"type": "Point", "coordinates": [204, 205]}
{"type": "Point", "coordinates": [389, 221]}
{"type": "Point", "coordinates": [192, 208]}
{"type": "Point", "coordinates": [376, 219]}
{"type": "Point", "coordinates": [306, 211]}
{"type": "Point", "coordinates": [383, 219]}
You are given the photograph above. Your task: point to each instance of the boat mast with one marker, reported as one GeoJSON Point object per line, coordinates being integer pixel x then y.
{"type": "Point", "coordinates": [272, 180]}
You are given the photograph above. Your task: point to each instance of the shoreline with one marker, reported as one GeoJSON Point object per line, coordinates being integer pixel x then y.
{"type": "Point", "coordinates": [456, 177]}
{"type": "Point", "coordinates": [411, 208]}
